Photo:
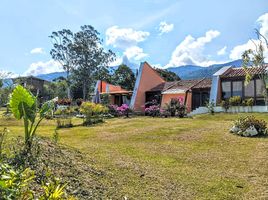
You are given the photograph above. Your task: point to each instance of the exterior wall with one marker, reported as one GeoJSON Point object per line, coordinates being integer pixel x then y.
{"type": "Point", "coordinates": [146, 80]}
{"type": "Point", "coordinates": [188, 102]}
{"type": "Point", "coordinates": [167, 97]}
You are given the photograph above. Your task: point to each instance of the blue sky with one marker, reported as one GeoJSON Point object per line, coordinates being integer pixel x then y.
{"type": "Point", "coordinates": [163, 32]}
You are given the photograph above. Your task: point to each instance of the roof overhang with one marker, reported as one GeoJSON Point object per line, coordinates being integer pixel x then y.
{"type": "Point", "coordinates": [174, 91]}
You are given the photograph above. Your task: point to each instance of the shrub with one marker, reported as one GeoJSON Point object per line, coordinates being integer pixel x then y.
{"type": "Point", "coordinates": [249, 126]}
{"type": "Point", "coordinates": [65, 102]}
{"type": "Point", "coordinates": [124, 110]}
{"type": "Point", "coordinates": [250, 102]}
{"type": "Point", "coordinates": [235, 101]}
{"type": "Point", "coordinates": [210, 106]}
{"type": "Point", "coordinates": [24, 106]}
{"type": "Point", "coordinates": [112, 109]}
{"type": "Point", "coordinates": [225, 104]}
{"type": "Point", "coordinates": [64, 123]}
{"type": "Point", "coordinates": [2, 138]}
{"type": "Point", "coordinates": [104, 99]}
{"type": "Point", "coordinates": [65, 111]}
{"type": "Point", "coordinates": [79, 102]}
{"type": "Point", "coordinates": [153, 111]}
{"type": "Point", "coordinates": [151, 103]}
{"type": "Point", "coordinates": [176, 106]}
{"type": "Point", "coordinates": [93, 112]}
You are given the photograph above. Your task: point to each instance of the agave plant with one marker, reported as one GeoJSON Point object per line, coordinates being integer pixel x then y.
{"type": "Point", "coordinates": [23, 105]}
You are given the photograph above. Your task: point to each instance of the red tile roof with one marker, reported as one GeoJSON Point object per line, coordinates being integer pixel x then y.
{"type": "Point", "coordinates": [241, 72]}
{"type": "Point", "coordinates": [183, 85]}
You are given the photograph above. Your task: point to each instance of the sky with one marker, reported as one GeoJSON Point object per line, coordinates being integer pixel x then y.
{"type": "Point", "coordinates": [165, 33]}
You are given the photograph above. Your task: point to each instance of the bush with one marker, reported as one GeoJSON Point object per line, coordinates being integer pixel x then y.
{"type": "Point", "coordinates": [112, 109]}
{"type": "Point", "coordinates": [65, 102]}
{"type": "Point", "coordinates": [64, 123]}
{"type": "Point", "coordinates": [79, 102]}
{"type": "Point", "coordinates": [153, 111]}
{"type": "Point", "coordinates": [176, 106]}
{"type": "Point", "coordinates": [235, 101]}
{"type": "Point", "coordinates": [210, 106]}
{"type": "Point", "coordinates": [225, 104]}
{"type": "Point", "coordinates": [249, 126]}
{"type": "Point", "coordinates": [93, 112]}
{"type": "Point", "coordinates": [124, 110]}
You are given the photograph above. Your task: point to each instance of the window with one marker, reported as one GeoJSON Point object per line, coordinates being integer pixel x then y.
{"type": "Point", "coordinates": [249, 89]}
{"type": "Point", "coordinates": [237, 88]}
{"type": "Point", "coordinates": [226, 89]}
{"type": "Point", "coordinates": [259, 88]}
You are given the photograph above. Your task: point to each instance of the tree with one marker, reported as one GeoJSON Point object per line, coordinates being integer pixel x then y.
{"type": "Point", "coordinates": [168, 75]}
{"type": "Point", "coordinates": [255, 58]}
{"type": "Point", "coordinates": [89, 57]}
{"type": "Point", "coordinates": [124, 77]}
{"type": "Point", "coordinates": [62, 52]}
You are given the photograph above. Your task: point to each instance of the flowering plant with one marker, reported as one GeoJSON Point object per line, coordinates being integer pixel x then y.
{"type": "Point", "coordinates": [124, 110]}
{"type": "Point", "coordinates": [112, 109]}
{"type": "Point", "coordinates": [176, 106]}
{"type": "Point", "coordinates": [153, 110]}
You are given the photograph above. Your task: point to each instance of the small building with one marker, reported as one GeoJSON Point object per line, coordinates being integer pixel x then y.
{"type": "Point", "coordinates": [151, 86]}
{"type": "Point", "coordinates": [229, 82]}
{"type": "Point", "coordinates": [34, 84]}
{"type": "Point", "coordinates": [116, 94]}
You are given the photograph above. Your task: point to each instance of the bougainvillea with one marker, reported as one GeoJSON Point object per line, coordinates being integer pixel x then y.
{"type": "Point", "coordinates": [124, 110]}
{"type": "Point", "coordinates": [153, 111]}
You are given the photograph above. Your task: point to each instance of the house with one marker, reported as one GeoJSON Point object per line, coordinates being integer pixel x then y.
{"type": "Point", "coordinates": [225, 83]}
{"type": "Point", "coordinates": [151, 86]}
{"type": "Point", "coordinates": [117, 95]}
{"type": "Point", "coordinates": [36, 85]}
{"type": "Point", "coordinates": [229, 82]}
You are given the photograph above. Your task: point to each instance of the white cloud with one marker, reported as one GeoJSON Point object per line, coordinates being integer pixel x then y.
{"type": "Point", "coordinates": [43, 68]}
{"type": "Point", "coordinates": [127, 39]}
{"type": "Point", "coordinates": [222, 51]}
{"type": "Point", "coordinates": [124, 37]}
{"type": "Point", "coordinates": [164, 27]}
{"type": "Point", "coordinates": [135, 52]}
{"type": "Point", "coordinates": [238, 50]}
{"type": "Point", "coordinates": [37, 51]}
{"type": "Point", "coordinates": [190, 50]}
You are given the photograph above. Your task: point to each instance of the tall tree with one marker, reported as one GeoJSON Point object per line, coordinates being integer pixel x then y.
{"type": "Point", "coordinates": [255, 58]}
{"type": "Point", "coordinates": [62, 52]}
{"type": "Point", "coordinates": [168, 75]}
{"type": "Point", "coordinates": [89, 56]}
{"type": "Point", "coordinates": [124, 77]}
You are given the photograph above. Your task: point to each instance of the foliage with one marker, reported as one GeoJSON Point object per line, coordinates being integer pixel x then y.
{"type": "Point", "coordinates": [56, 89]}
{"type": "Point", "coordinates": [14, 184]}
{"type": "Point", "coordinates": [65, 111]}
{"type": "Point", "coordinates": [168, 75]}
{"type": "Point", "coordinates": [23, 105]}
{"type": "Point", "coordinates": [249, 126]}
{"type": "Point", "coordinates": [235, 101]}
{"type": "Point", "coordinates": [66, 102]}
{"type": "Point", "coordinates": [89, 57]}
{"type": "Point", "coordinates": [112, 109]}
{"type": "Point", "coordinates": [124, 77]}
{"type": "Point", "coordinates": [210, 106]}
{"type": "Point", "coordinates": [64, 123]}
{"type": "Point", "coordinates": [62, 52]}
{"type": "Point", "coordinates": [79, 102]}
{"type": "Point", "coordinates": [2, 138]}
{"type": "Point", "coordinates": [124, 110]}
{"type": "Point", "coordinates": [104, 99]}
{"type": "Point", "coordinates": [225, 104]}
{"type": "Point", "coordinates": [176, 106]}
{"type": "Point", "coordinates": [153, 111]}
{"type": "Point", "coordinates": [93, 112]}
{"type": "Point", "coordinates": [249, 102]}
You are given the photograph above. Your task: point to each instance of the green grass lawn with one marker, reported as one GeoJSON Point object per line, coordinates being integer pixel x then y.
{"type": "Point", "coordinates": [168, 158]}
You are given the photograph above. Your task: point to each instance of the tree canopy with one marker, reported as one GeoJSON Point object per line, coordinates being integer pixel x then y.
{"type": "Point", "coordinates": [168, 75]}
{"type": "Point", "coordinates": [124, 77]}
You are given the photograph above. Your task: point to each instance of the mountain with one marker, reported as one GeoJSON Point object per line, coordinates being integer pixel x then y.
{"type": "Point", "coordinates": [184, 72]}
{"type": "Point", "coordinates": [196, 72]}
{"type": "Point", "coordinates": [52, 76]}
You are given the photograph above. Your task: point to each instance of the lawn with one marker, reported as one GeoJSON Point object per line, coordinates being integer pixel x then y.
{"type": "Point", "coordinates": [167, 158]}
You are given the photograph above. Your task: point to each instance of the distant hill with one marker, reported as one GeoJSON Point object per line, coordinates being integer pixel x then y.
{"type": "Point", "coordinates": [196, 72]}
{"type": "Point", "coordinates": [184, 72]}
{"type": "Point", "coordinates": [52, 76]}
